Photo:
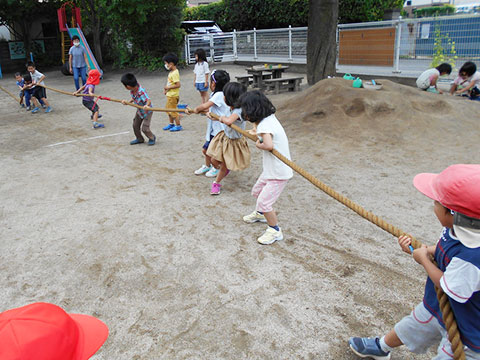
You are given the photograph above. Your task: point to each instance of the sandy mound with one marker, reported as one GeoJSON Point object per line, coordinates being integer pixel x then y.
{"type": "Point", "coordinates": [394, 113]}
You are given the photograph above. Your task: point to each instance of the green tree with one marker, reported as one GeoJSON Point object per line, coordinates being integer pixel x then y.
{"type": "Point", "coordinates": [143, 31]}
{"type": "Point", "coordinates": [94, 13]}
{"type": "Point", "coordinates": [247, 14]}
{"type": "Point", "coordinates": [19, 15]}
{"type": "Point", "coordinates": [352, 11]}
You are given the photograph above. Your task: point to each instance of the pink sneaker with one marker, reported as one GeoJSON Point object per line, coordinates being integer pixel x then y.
{"type": "Point", "coordinates": [215, 189]}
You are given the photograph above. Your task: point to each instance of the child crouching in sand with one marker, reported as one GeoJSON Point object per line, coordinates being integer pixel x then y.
{"type": "Point", "coordinates": [428, 79]}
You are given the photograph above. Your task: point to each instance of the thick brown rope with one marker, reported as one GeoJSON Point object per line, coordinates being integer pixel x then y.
{"type": "Point", "coordinates": [447, 314]}
{"type": "Point", "coordinates": [9, 93]}
{"type": "Point", "coordinates": [111, 99]}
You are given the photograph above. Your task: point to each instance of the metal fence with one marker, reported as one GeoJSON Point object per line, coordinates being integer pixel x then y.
{"type": "Point", "coordinates": [404, 46]}
{"type": "Point", "coordinates": [272, 45]}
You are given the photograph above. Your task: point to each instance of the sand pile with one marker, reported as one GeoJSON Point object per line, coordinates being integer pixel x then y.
{"type": "Point", "coordinates": [397, 112]}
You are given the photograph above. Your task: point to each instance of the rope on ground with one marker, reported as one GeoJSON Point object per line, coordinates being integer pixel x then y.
{"type": "Point", "coordinates": [9, 93]}
{"type": "Point", "coordinates": [447, 314]}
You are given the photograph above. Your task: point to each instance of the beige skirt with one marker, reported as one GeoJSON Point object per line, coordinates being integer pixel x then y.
{"type": "Point", "coordinates": [235, 153]}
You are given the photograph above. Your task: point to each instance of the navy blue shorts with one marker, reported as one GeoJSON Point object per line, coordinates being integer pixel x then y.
{"type": "Point", "coordinates": [201, 87]}
{"type": "Point", "coordinates": [205, 146]}
{"type": "Point", "coordinates": [39, 92]}
{"type": "Point", "coordinates": [90, 105]}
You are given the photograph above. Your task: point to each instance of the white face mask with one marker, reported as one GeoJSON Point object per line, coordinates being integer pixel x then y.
{"type": "Point", "coordinates": [166, 67]}
{"type": "Point", "coordinates": [76, 43]}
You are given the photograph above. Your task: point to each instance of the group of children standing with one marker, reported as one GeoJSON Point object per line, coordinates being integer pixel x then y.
{"type": "Point", "coordinates": [224, 149]}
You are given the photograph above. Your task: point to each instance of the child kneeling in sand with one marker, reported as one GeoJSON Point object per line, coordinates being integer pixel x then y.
{"type": "Point", "coordinates": [467, 82]}
{"type": "Point", "coordinates": [456, 195]}
{"type": "Point", "coordinates": [428, 79]}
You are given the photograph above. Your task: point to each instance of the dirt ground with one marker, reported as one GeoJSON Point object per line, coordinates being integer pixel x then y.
{"type": "Point", "coordinates": [130, 235]}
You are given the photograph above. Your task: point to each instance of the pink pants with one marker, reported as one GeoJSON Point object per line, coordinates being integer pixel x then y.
{"type": "Point", "coordinates": [267, 192]}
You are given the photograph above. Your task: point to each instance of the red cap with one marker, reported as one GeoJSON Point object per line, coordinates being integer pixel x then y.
{"type": "Point", "coordinates": [93, 77]}
{"type": "Point", "coordinates": [43, 331]}
{"type": "Point", "coordinates": [457, 188]}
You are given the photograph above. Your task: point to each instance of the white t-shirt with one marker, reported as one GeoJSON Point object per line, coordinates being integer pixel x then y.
{"type": "Point", "coordinates": [273, 168]}
{"type": "Point", "coordinates": [475, 78]}
{"type": "Point", "coordinates": [232, 134]}
{"type": "Point", "coordinates": [460, 280]}
{"type": "Point", "coordinates": [424, 81]}
{"type": "Point", "coordinates": [201, 69]}
{"type": "Point", "coordinates": [36, 76]}
{"type": "Point", "coordinates": [219, 108]}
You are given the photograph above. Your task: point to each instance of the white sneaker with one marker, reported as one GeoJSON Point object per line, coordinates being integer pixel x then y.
{"type": "Point", "coordinates": [212, 172]}
{"type": "Point", "coordinates": [270, 236]}
{"type": "Point", "coordinates": [202, 170]}
{"type": "Point", "coordinates": [254, 217]}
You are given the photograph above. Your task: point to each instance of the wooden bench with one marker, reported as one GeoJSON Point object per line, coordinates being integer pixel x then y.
{"type": "Point", "coordinates": [291, 84]}
{"type": "Point", "coordinates": [245, 80]}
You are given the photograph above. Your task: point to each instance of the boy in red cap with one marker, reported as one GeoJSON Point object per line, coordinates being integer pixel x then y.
{"type": "Point", "coordinates": [88, 101]}
{"type": "Point", "coordinates": [43, 331]}
{"type": "Point", "coordinates": [456, 195]}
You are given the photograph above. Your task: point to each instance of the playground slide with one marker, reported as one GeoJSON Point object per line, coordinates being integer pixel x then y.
{"type": "Point", "coordinates": [92, 62]}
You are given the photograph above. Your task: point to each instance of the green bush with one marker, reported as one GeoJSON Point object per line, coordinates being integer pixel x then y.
{"type": "Point", "coordinates": [144, 31]}
{"type": "Point", "coordinates": [266, 14]}
{"type": "Point", "coordinates": [434, 11]}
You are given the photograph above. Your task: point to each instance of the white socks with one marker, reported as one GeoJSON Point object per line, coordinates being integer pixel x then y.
{"type": "Point", "coordinates": [384, 346]}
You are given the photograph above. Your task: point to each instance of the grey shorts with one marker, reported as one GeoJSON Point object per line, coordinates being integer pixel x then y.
{"type": "Point", "coordinates": [421, 330]}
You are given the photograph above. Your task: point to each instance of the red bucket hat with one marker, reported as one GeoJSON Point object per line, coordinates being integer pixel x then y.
{"type": "Point", "coordinates": [43, 331]}
{"type": "Point", "coordinates": [93, 77]}
{"type": "Point", "coordinates": [457, 188]}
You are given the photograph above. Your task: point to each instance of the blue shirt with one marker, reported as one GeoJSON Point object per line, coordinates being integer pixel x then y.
{"type": "Point", "coordinates": [21, 83]}
{"type": "Point", "coordinates": [467, 313]}
{"type": "Point", "coordinates": [78, 56]}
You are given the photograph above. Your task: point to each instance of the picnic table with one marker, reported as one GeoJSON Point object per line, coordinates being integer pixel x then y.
{"type": "Point", "coordinates": [260, 73]}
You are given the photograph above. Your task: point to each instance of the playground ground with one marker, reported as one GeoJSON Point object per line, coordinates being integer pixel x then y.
{"type": "Point", "coordinates": [130, 235]}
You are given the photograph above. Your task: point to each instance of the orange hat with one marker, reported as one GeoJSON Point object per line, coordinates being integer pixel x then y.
{"type": "Point", "coordinates": [93, 77]}
{"type": "Point", "coordinates": [43, 331]}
